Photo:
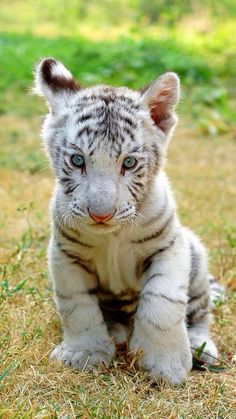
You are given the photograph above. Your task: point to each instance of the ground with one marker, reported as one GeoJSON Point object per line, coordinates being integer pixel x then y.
{"type": "Point", "coordinates": [201, 165]}
{"type": "Point", "coordinates": [202, 173]}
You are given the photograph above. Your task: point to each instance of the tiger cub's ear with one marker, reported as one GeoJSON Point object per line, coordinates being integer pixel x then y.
{"type": "Point", "coordinates": [162, 97]}
{"type": "Point", "coordinates": [54, 82]}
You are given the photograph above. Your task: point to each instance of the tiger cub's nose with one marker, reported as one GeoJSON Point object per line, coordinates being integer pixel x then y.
{"type": "Point", "coordinates": [101, 218]}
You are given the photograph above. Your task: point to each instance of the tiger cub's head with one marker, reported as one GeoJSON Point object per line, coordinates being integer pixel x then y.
{"type": "Point", "coordinates": [106, 144]}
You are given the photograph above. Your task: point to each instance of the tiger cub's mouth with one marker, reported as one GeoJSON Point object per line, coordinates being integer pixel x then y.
{"type": "Point", "coordinates": [102, 227]}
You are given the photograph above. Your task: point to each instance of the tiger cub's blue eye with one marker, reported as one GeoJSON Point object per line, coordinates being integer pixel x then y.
{"type": "Point", "coordinates": [129, 163]}
{"type": "Point", "coordinates": [77, 160]}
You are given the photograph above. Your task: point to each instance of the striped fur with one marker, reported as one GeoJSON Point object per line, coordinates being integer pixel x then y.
{"type": "Point", "coordinates": [140, 276]}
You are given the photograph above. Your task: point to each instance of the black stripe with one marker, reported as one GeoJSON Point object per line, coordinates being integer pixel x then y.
{"type": "Point", "coordinates": [66, 172]}
{"type": "Point", "coordinates": [163, 249]}
{"type": "Point", "coordinates": [74, 240]}
{"type": "Point", "coordinates": [196, 315]}
{"type": "Point", "coordinates": [82, 99]}
{"type": "Point", "coordinates": [58, 151]}
{"type": "Point", "coordinates": [99, 111]}
{"type": "Point", "coordinates": [92, 151]}
{"type": "Point", "coordinates": [129, 101]}
{"type": "Point", "coordinates": [124, 138]}
{"type": "Point", "coordinates": [114, 304]}
{"type": "Point", "coordinates": [84, 118]}
{"type": "Point", "coordinates": [124, 217]}
{"type": "Point", "coordinates": [137, 184]}
{"type": "Point", "coordinates": [156, 326]}
{"type": "Point", "coordinates": [134, 195]}
{"type": "Point", "coordinates": [198, 296]}
{"type": "Point", "coordinates": [117, 148]}
{"type": "Point", "coordinates": [83, 130]}
{"type": "Point", "coordinates": [106, 99]}
{"type": "Point", "coordinates": [156, 234]}
{"type": "Point", "coordinates": [136, 149]}
{"type": "Point", "coordinates": [67, 297]}
{"type": "Point", "coordinates": [139, 168]}
{"type": "Point", "coordinates": [70, 189]}
{"type": "Point", "coordinates": [63, 296]}
{"type": "Point", "coordinates": [146, 264]}
{"type": "Point", "coordinates": [68, 311]}
{"type": "Point", "coordinates": [70, 254]}
{"type": "Point", "coordinates": [153, 294]}
{"type": "Point", "coordinates": [66, 164]}
{"type": "Point", "coordinates": [129, 109]}
{"type": "Point", "coordinates": [128, 120]}
{"type": "Point", "coordinates": [77, 260]}
{"type": "Point", "coordinates": [154, 276]}
{"type": "Point", "coordinates": [128, 132]}
{"type": "Point", "coordinates": [81, 105]}
{"type": "Point", "coordinates": [152, 323]}
{"type": "Point", "coordinates": [81, 264]}
{"type": "Point", "coordinates": [125, 210]}
{"type": "Point", "coordinates": [134, 187]}
{"type": "Point", "coordinates": [75, 147]}
{"type": "Point", "coordinates": [65, 179]}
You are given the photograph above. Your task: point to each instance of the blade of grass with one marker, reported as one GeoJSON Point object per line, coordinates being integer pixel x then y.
{"type": "Point", "coordinates": [7, 371]}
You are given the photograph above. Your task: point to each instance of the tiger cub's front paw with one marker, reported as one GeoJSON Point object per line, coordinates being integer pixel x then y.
{"type": "Point", "coordinates": [171, 365]}
{"type": "Point", "coordinates": [173, 368]}
{"type": "Point", "coordinates": [84, 359]}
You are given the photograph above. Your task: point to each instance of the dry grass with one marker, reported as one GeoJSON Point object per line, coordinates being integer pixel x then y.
{"type": "Point", "coordinates": [203, 173]}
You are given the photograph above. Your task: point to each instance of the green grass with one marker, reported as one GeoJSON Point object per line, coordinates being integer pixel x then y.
{"type": "Point", "coordinates": [113, 42]}
{"type": "Point", "coordinates": [134, 55]}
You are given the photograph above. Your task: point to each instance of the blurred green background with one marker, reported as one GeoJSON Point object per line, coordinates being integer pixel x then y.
{"type": "Point", "coordinates": [125, 42]}
{"type": "Point", "coordinates": [119, 42]}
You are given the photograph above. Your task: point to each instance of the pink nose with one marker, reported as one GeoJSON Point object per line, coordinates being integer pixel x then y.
{"type": "Point", "coordinates": [101, 218]}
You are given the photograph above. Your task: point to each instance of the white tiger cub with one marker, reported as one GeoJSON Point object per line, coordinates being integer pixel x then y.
{"type": "Point", "coordinates": [121, 263]}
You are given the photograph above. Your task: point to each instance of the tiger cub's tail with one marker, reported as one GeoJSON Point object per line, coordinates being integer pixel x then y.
{"type": "Point", "coordinates": [217, 291]}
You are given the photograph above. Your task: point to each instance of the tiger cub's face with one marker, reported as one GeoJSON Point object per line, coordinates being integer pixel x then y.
{"type": "Point", "coordinates": [106, 145]}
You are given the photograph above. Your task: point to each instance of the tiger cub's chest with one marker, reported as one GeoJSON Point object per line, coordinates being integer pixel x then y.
{"type": "Point", "coordinates": [118, 308]}
{"type": "Point", "coordinates": [116, 266]}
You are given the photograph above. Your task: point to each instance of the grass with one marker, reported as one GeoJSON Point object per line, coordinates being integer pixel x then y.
{"type": "Point", "coordinates": [202, 168]}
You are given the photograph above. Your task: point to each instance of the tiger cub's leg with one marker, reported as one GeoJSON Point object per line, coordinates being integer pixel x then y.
{"type": "Point", "coordinates": [198, 315]}
{"type": "Point", "coordinates": [86, 340]}
{"type": "Point", "coordinates": [159, 329]}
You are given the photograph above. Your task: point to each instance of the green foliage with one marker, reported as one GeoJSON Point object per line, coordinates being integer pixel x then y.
{"type": "Point", "coordinates": [200, 350]}
{"type": "Point", "coordinates": [7, 291]}
{"type": "Point", "coordinates": [125, 61]}
{"type": "Point", "coordinates": [111, 12]}
{"type": "Point", "coordinates": [199, 364]}
{"type": "Point", "coordinates": [138, 53]}
{"type": "Point", "coordinates": [7, 371]}
{"type": "Point", "coordinates": [128, 61]}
